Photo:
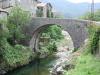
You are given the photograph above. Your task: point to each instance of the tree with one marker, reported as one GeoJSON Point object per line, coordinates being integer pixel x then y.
{"type": "Point", "coordinates": [54, 32]}
{"type": "Point", "coordinates": [88, 16]}
{"type": "Point", "coordinates": [16, 20]}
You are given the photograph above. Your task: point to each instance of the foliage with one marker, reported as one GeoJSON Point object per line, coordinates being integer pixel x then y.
{"type": "Point", "coordinates": [10, 56]}
{"type": "Point", "coordinates": [48, 48]}
{"type": "Point", "coordinates": [13, 57]}
{"type": "Point", "coordinates": [16, 20]}
{"type": "Point", "coordinates": [4, 32]}
{"type": "Point", "coordinates": [18, 16]}
{"type": "Point", "coordinates": [16, 56]}
{"type": "Point", "coordinates": [86, 65]}
{"type": "Point", "coordinates": [89, 16]}
{"type": "Point", "coordinates": [54, 33]}
{"type": "Point", "coordinates": [94, 32]}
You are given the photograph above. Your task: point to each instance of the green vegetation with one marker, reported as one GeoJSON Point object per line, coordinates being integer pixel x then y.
{"type": "Point", "coordinates": [50, 36]}
{"type": "Point", "coordinates": [53, 32]}
{"type": "Point", "coordinates": [16, 20]}
{"type": "Point", "coordinates": [89, 16]}
{"type": "Point", "coordinates": [13, 54]}
{"type": "Point", "coordinates": [94, 38]}
{"type": "Point", "coordinates": [86, 65]}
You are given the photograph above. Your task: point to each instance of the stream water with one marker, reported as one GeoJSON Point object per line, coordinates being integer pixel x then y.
{"type": "Point", "coordinates": [35, 68]}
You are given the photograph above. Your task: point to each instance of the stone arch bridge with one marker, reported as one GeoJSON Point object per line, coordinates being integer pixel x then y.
{"type": "Point", "coordinates": [77, 29]}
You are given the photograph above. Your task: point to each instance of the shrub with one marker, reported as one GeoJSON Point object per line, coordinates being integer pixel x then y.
{"type": "Point", "coordinates": [86, 65]}
{"type": "Point", "coordinates": [16, 20]}
{"type": "Point", "coordinates": [94, 32]}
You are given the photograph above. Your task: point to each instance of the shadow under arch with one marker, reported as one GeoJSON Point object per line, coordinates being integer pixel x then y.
{"type": "Point", "coordinates": [37, 33]}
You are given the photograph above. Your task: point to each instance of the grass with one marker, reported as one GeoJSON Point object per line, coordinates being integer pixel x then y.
{"type": "Point", "coordinates": [86, 65]}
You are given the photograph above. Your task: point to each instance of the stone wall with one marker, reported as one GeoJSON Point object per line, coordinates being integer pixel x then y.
{"type": "Point", "coordinates": [27, 5]}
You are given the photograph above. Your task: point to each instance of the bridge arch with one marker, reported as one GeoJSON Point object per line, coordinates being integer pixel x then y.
{"type": "Point", "coordinates": [35, 38]}
{"type": "Point", "coordinates": [77, 29]}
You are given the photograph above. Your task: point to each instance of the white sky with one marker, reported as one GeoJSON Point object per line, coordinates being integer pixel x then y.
{"type": "Point", "coordinates": [80, 1]}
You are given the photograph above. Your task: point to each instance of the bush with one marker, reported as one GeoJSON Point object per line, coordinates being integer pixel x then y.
{"type": "Point", "coordinates": [94, 17]}
{"type": "Point", "coordinates": [94, 32]}
{"type": "Point", "coordinates": [54, 32]}
{"type": "Point", "coordinates": [16, 56]}
{"type": "Point", "coordinates": [86, 65]}
{"type": "Point", "coordinates": [16, 20]}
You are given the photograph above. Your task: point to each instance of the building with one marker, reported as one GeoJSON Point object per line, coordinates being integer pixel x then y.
{"type": "Point", "coordinates": [27, 5]}
{"type": "Point", "coordinates": [34, 7]}
{"type": "Point", "coordinates": [44, 10]}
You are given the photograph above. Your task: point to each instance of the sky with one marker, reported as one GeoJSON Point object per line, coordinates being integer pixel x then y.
{"type": "Point", "coordinates": [80, 1]}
